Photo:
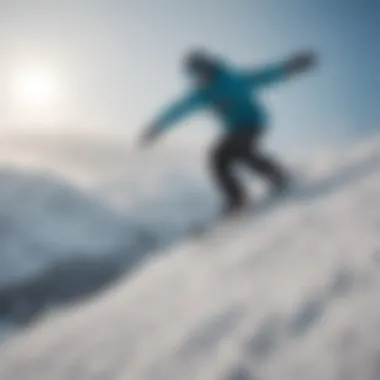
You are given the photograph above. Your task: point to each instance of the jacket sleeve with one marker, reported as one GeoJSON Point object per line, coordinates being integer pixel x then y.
{"type": "Point", "coordinates": [268, 75]}
{"type": "Point", "coordinates": [178, 111]}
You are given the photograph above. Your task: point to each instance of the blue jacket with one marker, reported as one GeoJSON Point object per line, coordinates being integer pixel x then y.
{"type": "Point", "coordinates": [232, 96]}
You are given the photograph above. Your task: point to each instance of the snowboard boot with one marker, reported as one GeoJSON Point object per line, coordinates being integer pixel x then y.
{"type": "Point", "coordinates": [234, 208]}
{"type": "Point", "coordinates": [280, 183]}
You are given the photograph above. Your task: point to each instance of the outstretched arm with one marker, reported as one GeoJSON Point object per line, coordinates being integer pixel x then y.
{"type": "Point", "coordinates": [173, 114]}
{"type": "Point", "coordinates": [281, 71]}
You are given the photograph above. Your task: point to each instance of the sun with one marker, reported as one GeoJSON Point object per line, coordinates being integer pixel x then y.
{"type": "Point", "coordinates": [35, 88]}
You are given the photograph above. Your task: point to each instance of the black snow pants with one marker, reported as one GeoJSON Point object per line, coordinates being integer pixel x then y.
{"type": "Point", "coordinates": [241, 147]}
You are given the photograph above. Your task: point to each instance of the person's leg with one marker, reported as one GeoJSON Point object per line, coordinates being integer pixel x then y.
{"type": "Point", "coordinates": [269, 169]}
{"type": "Point", "coordinates": [223, 156]}
{"type": "Point", "coordinates": [252, 156]}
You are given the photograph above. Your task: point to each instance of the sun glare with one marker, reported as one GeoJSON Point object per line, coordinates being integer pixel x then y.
{"type": "Point", "coordinates": [35, 88]}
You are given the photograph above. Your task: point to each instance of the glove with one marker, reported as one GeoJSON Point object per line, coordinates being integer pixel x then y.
{"type": "Point", "coordinates": [149, 136]}
{"type": "Point", "coordinates": [301, 62]}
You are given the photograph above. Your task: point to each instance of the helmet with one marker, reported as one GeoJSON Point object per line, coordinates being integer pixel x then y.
{"type": "Point", "coordinates": [198, 61]}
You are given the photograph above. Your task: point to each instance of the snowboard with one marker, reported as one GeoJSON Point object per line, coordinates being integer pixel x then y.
{"type": "Point", "coordinates": [255, 208]}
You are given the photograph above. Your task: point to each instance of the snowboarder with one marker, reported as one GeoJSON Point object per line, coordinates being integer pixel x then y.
{"type": "Point", "coordinates": [230, 93]}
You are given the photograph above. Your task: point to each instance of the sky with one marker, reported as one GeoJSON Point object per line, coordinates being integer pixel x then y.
{"type": "Point", "coordinates": [112, 64]}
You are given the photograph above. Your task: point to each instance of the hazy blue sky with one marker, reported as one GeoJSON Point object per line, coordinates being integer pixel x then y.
{"type": "Point", "coordinates": [117, 61]}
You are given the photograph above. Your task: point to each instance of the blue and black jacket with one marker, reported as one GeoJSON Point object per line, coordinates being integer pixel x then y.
{"type": "Point", "coordinates": [232, 96]}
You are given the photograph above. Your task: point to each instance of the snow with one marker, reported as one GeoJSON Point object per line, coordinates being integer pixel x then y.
{"type": "Point", "coordinates": [78, 210]}
{"type": "Point", "coordinates": [290, 293]}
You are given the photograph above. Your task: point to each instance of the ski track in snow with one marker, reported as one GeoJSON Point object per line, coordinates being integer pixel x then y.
{"type": "Point", "coordinates": [288, 294]}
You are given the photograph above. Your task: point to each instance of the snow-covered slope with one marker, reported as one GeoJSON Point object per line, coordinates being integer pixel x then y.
{"type": "Point", "coordinates": [79, 210]}
{"type": "Point", "coordinates": [289, 294]}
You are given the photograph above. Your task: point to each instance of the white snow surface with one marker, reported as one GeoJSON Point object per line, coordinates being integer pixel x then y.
{"type": "Point", "coordinates": [287, 293]}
